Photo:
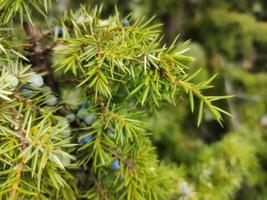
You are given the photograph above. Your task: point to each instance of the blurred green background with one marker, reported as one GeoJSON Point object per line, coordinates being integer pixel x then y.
{"type": "Point", "coordinates": [228, 38]}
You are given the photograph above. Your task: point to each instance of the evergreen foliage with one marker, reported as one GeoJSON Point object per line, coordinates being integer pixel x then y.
{"type": "Point", "coordinates": [74, 102]}
{"type": "Point", "coordinates": [229, 38]}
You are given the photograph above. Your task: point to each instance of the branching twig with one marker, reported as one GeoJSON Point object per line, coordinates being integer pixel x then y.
{"type": "Point", "coordinates": [39, 53]}
{"type": "Point", "coordinates": [98, 186]}
{"type": "Point", "coordinates": [21, 166]}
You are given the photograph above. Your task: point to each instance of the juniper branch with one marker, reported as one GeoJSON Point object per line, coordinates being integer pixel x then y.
{"type": "Point", "coordinates": [39, 53]}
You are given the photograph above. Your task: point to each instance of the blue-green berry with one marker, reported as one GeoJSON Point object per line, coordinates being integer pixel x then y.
{"type": "Point", "coordinates": [26, 92]}
{"type": "Point", "coordinates": [126, 22]}
{"type": "Point", "coordinates": [51, 100]}
{"type": "Point", "coordinates": [89, 119]}
{"type": "Point", "coordinates": [58, 31]}
{"type": "Point", "coordinates": [115, 165]}
{"type": "Point", "coordinates": [46, 89]}
{"type": "Point", "coordinates": [12, 80]}
{"type": "Point", "coordinates": [111, 134]}
{"type": "Point", "coordinates": [84, 104]}
{"type": "Point", "coordinates": [85, 140]}
{"type": "Point", "coordinates": [82, 113]}
{"type": "Point", "coordinates": [71, 117]}
{"type": "Point", "coordinates": [35, 80]}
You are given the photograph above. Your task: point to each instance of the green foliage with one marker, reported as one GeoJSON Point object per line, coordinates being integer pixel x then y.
{"type": "Point", "coordinates": [134, 63]}
{"type": "Point", "coordinates": [239, 38]}
{"type": "Point", "coordinates": [213, 171]}
{"type": "Point", "coordinates": [222, 168]}
{"type": "Point", "coordinates": [22, 8]}
{"type": "Point", "coordinates": [81, 133]}
{"type": "Point", "coordinates": [34, 151]}
{"type": "Point", "coordinates": [232, 35]}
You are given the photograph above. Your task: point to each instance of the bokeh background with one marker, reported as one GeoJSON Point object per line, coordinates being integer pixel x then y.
{"type": "Point", "coordinates": [228, 38]}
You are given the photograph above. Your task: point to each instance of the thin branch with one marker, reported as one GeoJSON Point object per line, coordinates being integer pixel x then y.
{"type": "Point", "coordinates": [98, 186]}
{"type": "Point", "coordinates": [113, 152]}
{"type": "Point", "coordinates": [39, 53]}
{"type": "Point", "coordinates": [46, 33]}
{"type": "Point", "coordinates": [20, 169]}
{"type": "Point", "coordinates": [21, 165]}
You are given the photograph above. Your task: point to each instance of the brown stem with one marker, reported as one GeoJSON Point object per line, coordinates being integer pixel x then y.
{"type": "Point", "coordinates": [19, 127]}
{"type": "Point", "coordinates": [96, 182]}
{"type": "Point", "coordinates": [20, 167]}
{"type": "Point", "coordinates": [39, 54]}
{"type": "Point", "coordinates": [98, 186]}
{"type": "Point", "coordinates": [15, 187]}
{"type": "Point", "coordinates": [115, 154]}
{"type": "Point", "coordinates": [46, 33]}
